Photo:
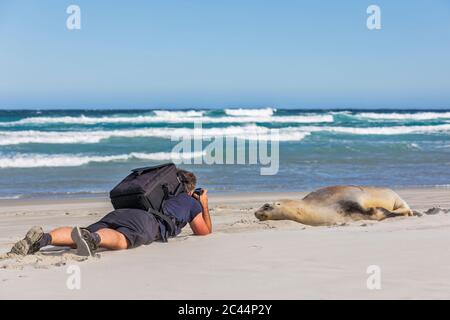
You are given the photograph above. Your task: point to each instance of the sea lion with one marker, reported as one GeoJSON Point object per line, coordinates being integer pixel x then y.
{"type": "Point", "coordinates": [338, 204]}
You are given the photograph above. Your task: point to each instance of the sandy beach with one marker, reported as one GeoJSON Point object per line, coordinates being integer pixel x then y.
{"type": "Point", "coordinates": [242, 259]}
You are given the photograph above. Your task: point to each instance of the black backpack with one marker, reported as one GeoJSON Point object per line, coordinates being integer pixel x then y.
{"type": "Point", "coordinates": [146, 189]}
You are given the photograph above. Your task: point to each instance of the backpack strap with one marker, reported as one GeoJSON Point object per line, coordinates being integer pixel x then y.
{"type": "Point", "coordinates": [178, 190]}
{"type": "Point", "coordinates": [168, 194]}
{"type": "Point", "coordinates": [170, 225]}
{"type": "Point", "coordinates": [160, 214]}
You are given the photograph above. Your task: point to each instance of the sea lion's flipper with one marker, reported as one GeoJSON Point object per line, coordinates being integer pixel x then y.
{"type": "Point", "coordinates": [391, 214]}
{"type": "Point", "coordinates": [403, 211]}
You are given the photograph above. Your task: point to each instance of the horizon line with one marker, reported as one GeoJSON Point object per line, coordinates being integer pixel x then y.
{"type": "Point", "coordinates": [223, 108]}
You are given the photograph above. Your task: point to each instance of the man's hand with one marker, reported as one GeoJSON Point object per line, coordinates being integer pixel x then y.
{"type": "Point", "coordinates": [203, 198]}
{"type": "Point", "coordinates": [201, 225]}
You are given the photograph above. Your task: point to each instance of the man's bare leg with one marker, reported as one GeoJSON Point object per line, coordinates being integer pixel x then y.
{"type": "Point", "coordinates": [37, 239]}
{"type": "Point", "coordinates": [112, 239]}
{"type": "Point", "coordinates": [61, 237]}
{"type": "Point", "coordinates": [88, 242]}
{"type": "Point", "coordinates": [109, 238]}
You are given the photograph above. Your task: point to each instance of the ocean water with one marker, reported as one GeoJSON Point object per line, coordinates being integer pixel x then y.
{"type": "Point", "coordinates": [56, 153]}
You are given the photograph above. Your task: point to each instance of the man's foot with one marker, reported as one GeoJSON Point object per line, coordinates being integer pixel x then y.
{"type": "Point", "coordinates": [85, 242]}
{"type": "Point", "coordinates": [29, 244]}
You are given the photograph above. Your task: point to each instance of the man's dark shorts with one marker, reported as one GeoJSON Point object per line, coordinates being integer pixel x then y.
{"type": "Point", "coordinates": [138, 226]}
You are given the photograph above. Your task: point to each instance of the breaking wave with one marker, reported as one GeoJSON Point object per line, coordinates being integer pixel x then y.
{"type": "Point", "coordinates": [69, 160]}
{"type": "Point", "coordinates": [176, 114]}
{"type": "Point", "coordinates": [264, 112]}
{"type": "Point", "coordinates": [404, 116]}
{"type": "Point", "coordinates": [83, 120]}
{"type": "Point", "coordinates": [249, 132]}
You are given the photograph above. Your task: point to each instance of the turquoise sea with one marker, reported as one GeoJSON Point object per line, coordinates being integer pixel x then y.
{"type": "Point", "coordinates": [56, 153]}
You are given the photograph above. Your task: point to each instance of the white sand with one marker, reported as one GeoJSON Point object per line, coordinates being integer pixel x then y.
{"type": "Point", "coordinates": [242, 259]}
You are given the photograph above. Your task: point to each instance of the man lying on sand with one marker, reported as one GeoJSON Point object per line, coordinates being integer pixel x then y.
{"type": "Point", "coordinates": [123, 229]}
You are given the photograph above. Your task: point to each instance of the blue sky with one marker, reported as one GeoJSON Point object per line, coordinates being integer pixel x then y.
{"type": "Point", "coordinates": [183, 54]}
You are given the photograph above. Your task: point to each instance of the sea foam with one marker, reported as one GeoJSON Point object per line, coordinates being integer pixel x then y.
{"type": "Point", "coordinates": [404, 116]}
{"type": "Point", "coordinates": [83, 120]}
{"type": "Point", "coordinates": [264, 112]}
{"type": "Point", "coordinates": [249, 132]}
{"type": "Point", "coordinates": [74, 160]}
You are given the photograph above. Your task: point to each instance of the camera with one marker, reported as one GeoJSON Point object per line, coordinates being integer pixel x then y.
{"type": "Point", "coordinates": [198, 191]}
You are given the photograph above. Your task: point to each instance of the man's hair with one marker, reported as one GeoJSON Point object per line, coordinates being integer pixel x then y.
{"type": "Point", "coordinates": [188, 179]}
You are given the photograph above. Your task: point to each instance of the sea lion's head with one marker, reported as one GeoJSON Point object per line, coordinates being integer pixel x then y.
{"type": "Point", "coordinates": [271, 211]}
